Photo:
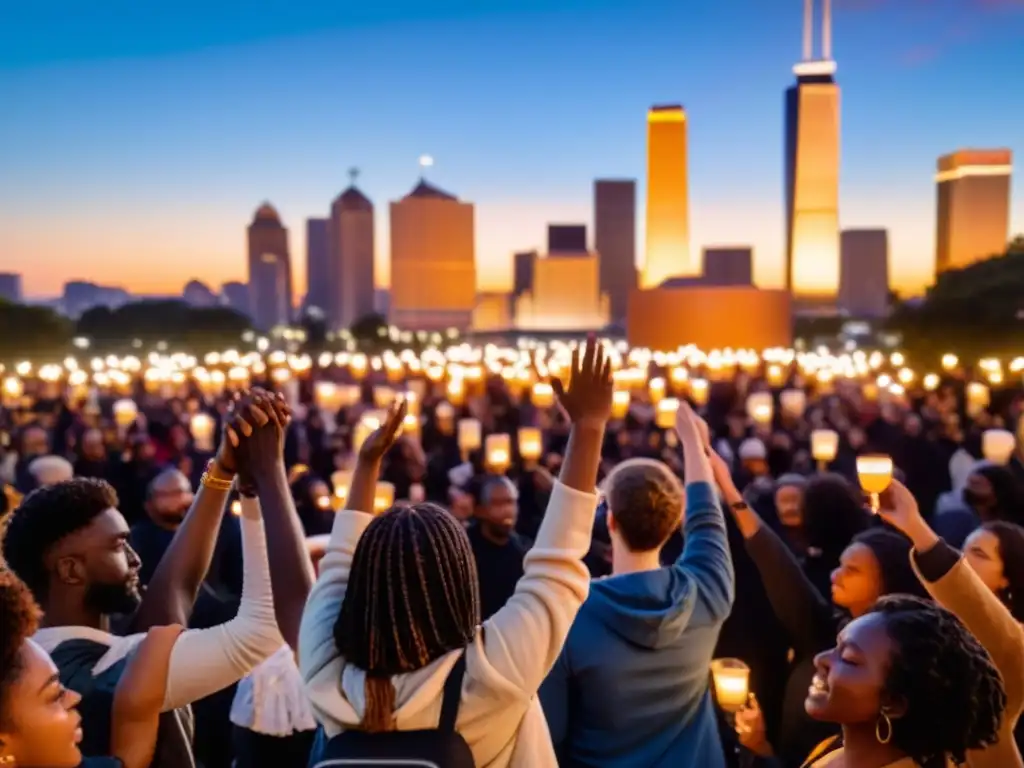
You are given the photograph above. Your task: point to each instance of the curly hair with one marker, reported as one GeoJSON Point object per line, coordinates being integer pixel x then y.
{"type": "Point", "coordinates": [1011, 549]}
{"type": "Point", "coordinates": [646, 499]}
{"type": "Point", "coordinates": [412, 596]}
{"type": "Point", "coordinates": [19, 616]}
{"type": "Point", "coordinates": [44, 517]}
{"type": "Point", "coordinates": [945, 676]}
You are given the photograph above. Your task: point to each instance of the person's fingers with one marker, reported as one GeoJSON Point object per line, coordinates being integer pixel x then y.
{"type": "Point", "coordinates": [232, 436]}
{"type": "Point", "coordinates": [257, 415]}
{"type": "Point", "coordinates": [245, 427]}
{"type": "Point", "coordinates": [589, 353]}
{"type": "Point", "coordinates": [606, 370]}
{"type": "Point", "coordinates": [557, 388]}
{"type": "Point", "coordinates": [574, 364]}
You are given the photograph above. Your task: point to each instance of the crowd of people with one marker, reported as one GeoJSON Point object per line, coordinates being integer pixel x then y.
{"type": "Point", "coordinates": [705, 592]}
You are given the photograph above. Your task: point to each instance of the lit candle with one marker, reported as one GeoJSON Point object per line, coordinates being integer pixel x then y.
{"type": "Point", "coordinates": [760, 407]}
{"type": "Point", "coordinates": [201, 426]}
{"type": "Point", "coordinates": [665, 413]}
{"type": "Point", "coordinates": [383, 497]}
{"type": "Point", "coordinates": [699, 391]}
{"type": "Point", "coordinates": [543, 395]}
{"type": "Point", "coordinates": [732, 683]}
{"type": "Point", "coordinates": [875, 474]}
{"type": "Point", "coordinates": [656, 387]}
{"type": "Point", "coordinates": [383, 397]}
{"type": "Point", "coordinates": [469, 435]}
{"type": "Point", "coordinates": [125, 412]}
{"type": "Point", "coordinates": [824, 446]}
{"type": "Point", "coordinates": [531, 444]}
{"type": "Point", "coordinates": [620, 403]}
{"type": "Point", "coordinates": [997, 445]}
{"type": "Point", "coordinates": [456, 390]}
{"type": "Point", "coordinates": [498, 452]}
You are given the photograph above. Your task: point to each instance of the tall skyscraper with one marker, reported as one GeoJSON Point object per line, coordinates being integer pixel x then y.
{"type": "Point", "coordinates": [433, 260]}
{"type": "Point", "coordinates": [10, 286]}
{"type": "Point", "coordinates": [973, 187]}
{"type": "Point", "coordinates": [270, 270]}
{"type": "Point", "coordinates": [350, 273]}
{"type": "Point", "coordinates": [812, 172]}
{"type": "Point", "coordinates": [615, 241]}
{"type": "Point", "coordinates": [668, 204]}
{"type": "Point", "coordinates": [729, 266]}
{"type": "Point", "coordinates": [864, 273]}
{"type": "Point", "coordinates": [318, 263]}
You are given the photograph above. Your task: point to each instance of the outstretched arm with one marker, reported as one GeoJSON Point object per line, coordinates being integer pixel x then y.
{"type": "Point", "coordinates": [172, 591]}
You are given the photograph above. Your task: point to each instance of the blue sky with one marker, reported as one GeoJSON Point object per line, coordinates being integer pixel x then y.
{"type": "Point", "coordinates": [136, 141]}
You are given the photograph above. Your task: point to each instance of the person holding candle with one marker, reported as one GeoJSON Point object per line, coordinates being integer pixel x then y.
{"type": "Point", "coordinates": [396, 608]}
{"type": "Point", "coordinates": [630, 687]}
{"type": "Point", "coordinates": [874, 563]}
{"type": "Point", "coordinates": [910, 687]}
{"type": "Point", "coordinates": [983, 589]}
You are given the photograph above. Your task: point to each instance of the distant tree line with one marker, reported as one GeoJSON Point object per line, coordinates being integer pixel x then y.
{"type": "Point", "coordinates": [39, 333]}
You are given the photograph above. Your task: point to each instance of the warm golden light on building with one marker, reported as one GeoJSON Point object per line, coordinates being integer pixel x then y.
{"type": "Point", "coordinates": [668, 205]}
{"type": "Point", "coordinates": [433, 261]}
{"type": "Point", "coordinates": [566, 295]}
{"type": "Point", "coordinates": [812, 154]}
{"type": "Point", "coordinates": [973, 206]}
{"type": "Point", "coordinates": [710, 317]}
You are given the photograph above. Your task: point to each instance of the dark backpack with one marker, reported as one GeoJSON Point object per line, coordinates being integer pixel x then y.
{"type": "Point", "coordinates": [442, 747]}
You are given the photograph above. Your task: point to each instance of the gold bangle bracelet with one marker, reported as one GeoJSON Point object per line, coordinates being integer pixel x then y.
{"type": "Point", "coordinates": [215, 483]}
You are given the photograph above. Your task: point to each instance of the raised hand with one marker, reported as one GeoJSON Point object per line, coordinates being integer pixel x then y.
{"type": "Point", "coordinates": [386, 435]}
{"type": "Point", "coordinates": [589, 396]}
{"type": "Point", "coordinates": [242, 419]}
{"type": "Point", "coordinates": [899, 508]}
{"type": "Point", "coordinates": [260, 453]}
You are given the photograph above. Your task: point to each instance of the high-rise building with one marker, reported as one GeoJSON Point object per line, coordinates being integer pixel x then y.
{"type": "Point", "coordinates": [615, 241]}
{"type": "Point", "coordinates": [433, 260]}
{"type": "Point", "coordinates": [270, 270]}
{"type": "Point", "coordinates": [973, 206]}
{"type": "Point", "coordinates": [350, 275]}
{"type": "Point", "coordinates": [567, 238]}
{"type": "Point", "coordinates": [668, 205]}
{"type": "Point", "coordinates": [729, 265]}
{"type": "Point", "coordinates": [864, 273]}
{"type": "Point", "coordinates": [812, 172]}
{"type": "Point", "coordinates": [522, 272]}
{"type": "Point", "coordinates": [10, 286]}
{"type": "Point", "coordinates": [565, 295]}
{"type": "Point", "coordinates": [318, 264]}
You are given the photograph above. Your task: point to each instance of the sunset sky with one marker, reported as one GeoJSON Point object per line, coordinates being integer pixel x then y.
{"type": "Point", "coordinates": [136, 143]}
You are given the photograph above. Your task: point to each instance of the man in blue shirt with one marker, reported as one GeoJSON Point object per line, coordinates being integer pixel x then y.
{"type": "Point", "coordinates": [631, 687]}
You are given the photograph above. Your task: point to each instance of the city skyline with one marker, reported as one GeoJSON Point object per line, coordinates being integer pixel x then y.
{"type": "Point", "coordinates": [174, 181]}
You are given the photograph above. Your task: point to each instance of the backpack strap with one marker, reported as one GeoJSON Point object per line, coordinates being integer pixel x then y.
{"type": "Point", "coordinates": [452, 695]}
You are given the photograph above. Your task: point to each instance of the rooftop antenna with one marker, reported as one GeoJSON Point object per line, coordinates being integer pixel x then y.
{"type": "Point", "coordinates": [353, 174]}
{"type": "Point", "coordinates": [826, 30]}
{"type": "Point", "coordinates": [426, 161]}
{"type": "Point", "coordinates": [808, 30]}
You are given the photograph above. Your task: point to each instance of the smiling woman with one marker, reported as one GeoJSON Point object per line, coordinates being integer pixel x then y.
{"type": "Point", "coordinates": [896, 673]}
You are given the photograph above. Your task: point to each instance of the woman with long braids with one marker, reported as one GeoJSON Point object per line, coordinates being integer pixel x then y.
{"type": "Point", "coordinates": [396, 607]}
{"type": "Point", "coordinates": [910, 687]}
{"type": "Point", "coordinates": [980, 589]}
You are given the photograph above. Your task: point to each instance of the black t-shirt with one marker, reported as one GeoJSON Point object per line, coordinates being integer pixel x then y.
{"type": "Point", "coordinates": [499, 567]}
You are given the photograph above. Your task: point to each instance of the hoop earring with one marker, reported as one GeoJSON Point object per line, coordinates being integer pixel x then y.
{"type": "Point", "coordinates": [883, 718]}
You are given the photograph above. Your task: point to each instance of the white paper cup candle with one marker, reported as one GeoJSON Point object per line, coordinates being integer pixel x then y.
{"type": "Point", "coordinates": [732, 683]}
{"type": "Point", "coordinates": [201, 426]}
{"type": "Point", "coordinates": [997, 445]}
{"type": "Point", "coordinates": [498, 452]}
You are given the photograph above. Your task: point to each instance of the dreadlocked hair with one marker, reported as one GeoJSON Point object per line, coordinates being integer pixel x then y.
{"type": "Point", "coordinates": [945, 676]}
{"type": "Point", "coordinates": [412, 597]}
